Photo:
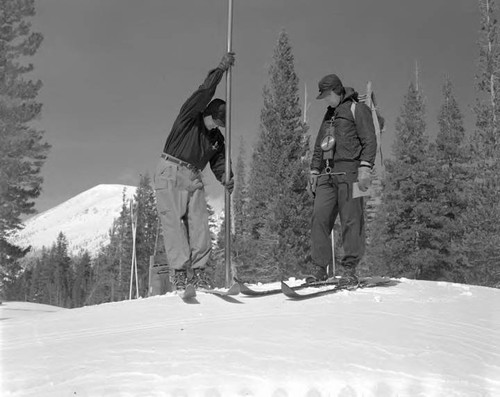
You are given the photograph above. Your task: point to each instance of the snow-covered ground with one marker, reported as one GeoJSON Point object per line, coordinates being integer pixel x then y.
{"type": "Point", "coordinates": [414, 338]}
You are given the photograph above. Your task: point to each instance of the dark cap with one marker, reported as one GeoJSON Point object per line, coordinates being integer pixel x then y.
{"type": "Point", "coordinates": [217, 109]}
{"type": "Point", "coordinates": [329, 83]}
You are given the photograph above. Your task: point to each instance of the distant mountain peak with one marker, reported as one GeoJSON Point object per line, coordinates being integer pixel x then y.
{"type": "Point", "coordinates": [84, 219]}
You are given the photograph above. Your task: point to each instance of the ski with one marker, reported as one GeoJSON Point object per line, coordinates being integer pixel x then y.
{"type": "Point", "coordinates": [233, 290]}
{"type": "Point", "coordinates": [365, 282]}
{"type": "Point", "coordinates": [290, 292]}
{"type": "Point", "coordinates": [246, 290]}
{"type": "Point", "coordinates": [188, 293]}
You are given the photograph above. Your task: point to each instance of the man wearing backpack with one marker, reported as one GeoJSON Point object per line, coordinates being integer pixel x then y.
{"type": "Point", "coordinates": [344, 153]}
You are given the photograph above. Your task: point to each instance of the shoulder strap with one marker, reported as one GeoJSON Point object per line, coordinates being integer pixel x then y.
{"type": "Point", "coordinates": [375, 123]}
{"type": "Point", "coordinates": [353, 110]}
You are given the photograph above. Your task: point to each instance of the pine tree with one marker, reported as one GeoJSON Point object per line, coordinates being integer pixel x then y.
{"type": "Point", "coordinates": [241, 253]}
{"type": "Point", "coordinates": [62, 276]}
{"type": "Point", "coordinates": [147, 227]}
{"type": "Point", "coordinates": [487, 137]}
{"type": "Point", "coordinates": [41, 286]}
{"type": "Point", "coordinates": [22, 152]}
{"type": "Point", "coordinates": [240, 194]}
{"type": "Point", "coordinates": [419, 224]}
{"type": "Point", "coordinates": [451, 180]}
{"type": "Point", "coordinates": [116, 260]}
{"type": "Point", "coordinates": [407, 225]}
{"type": "Point", "coordinates": [111, 268]}
{"type": "Point", "coordinates": [216, 267]}
{"type": "Point", "coordinates": [82, 280]}
{"type": "Point", "coordinates": [279, 208]}
{"type": "Point", "coordinates": [483, 215]}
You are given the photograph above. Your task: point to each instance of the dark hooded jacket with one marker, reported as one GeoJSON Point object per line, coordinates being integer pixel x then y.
{"type": "Point", "coordinates": [189, 140]}
{"type": "Point", "coordinates": [355, 140]}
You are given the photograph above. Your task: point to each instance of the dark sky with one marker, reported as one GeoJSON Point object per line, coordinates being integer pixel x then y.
{"type": "Point", "coordinates": [116, 72]}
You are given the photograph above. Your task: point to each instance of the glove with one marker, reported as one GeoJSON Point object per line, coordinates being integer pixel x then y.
{"type": "Point", "coordinates": [196, 183]}
{"type": "Point", "coordinates": [229, 185]}
{"type": "Point", "coordinates": [364, 178]}
{"type": "Point", "coordinates": [312, 183]}
{"type": "Point", "coordinates": [227, 61]}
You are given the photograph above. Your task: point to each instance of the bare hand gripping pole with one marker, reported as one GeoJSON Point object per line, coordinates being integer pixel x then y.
{"type": "Point", "coordinates": [227, 201]}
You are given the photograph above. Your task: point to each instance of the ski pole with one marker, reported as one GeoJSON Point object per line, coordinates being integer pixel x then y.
{"type": "Point", "coordinates": [333, 254]}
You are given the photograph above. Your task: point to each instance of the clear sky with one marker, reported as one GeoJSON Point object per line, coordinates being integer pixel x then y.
{"type": "Point", "coordinates": [115, 72]}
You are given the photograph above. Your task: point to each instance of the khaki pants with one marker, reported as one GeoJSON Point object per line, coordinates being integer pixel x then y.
{"type": "Point", "coordinates": [182, 208]}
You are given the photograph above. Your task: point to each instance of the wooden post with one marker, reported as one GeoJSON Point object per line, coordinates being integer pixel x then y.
{"type": "Point", "coordinates": [133, 266]}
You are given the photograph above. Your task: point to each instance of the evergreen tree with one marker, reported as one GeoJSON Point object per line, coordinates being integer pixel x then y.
{"type": "Point", "coordinates": [407, 224]}
{"type": "Point", "coordinates": [147, 227]}
{"type": "Point", "coordinates": [451, 179]}
{"type": "Point", "coordinates": [35, 287]}
{"type": "Point", "coordinates": [41, 286]}
{"type": "Point", "coordinates": [82, 281]}
{"type": "Point", "coordinates": [483, 215]}
{"type": "Point", "coordinates": [111, 267]}
{"type": "Point", "coordinates": [216, 266]}
{"type": "Point", "coordinates": [115, 260]}
{"type": "Point", "coordinates": [103, 276]}
{"type": "Point", "coordinates": [240, 237]}
{"type": "Point", "coordinates": [22, 152]}
{"type": "Point", "coordinates": [487, 109]}
{"type": "Point", "coordinates": [119, 263]}
{"type": "Point", "coordinates": [62, 276]}
{"type": "Point", "coordinates": [419, 223]}
{"type": "Point", "coordinates": [279, 208]}
{"type": "Point", "coordinates": [240, 193]}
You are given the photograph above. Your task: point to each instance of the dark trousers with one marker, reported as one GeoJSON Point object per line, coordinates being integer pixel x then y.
{"type": "Point", "coordinates": [334, 197]}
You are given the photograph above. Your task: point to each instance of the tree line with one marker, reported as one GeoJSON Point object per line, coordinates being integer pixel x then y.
{"type": "Point", "coordinates": [436, 215]}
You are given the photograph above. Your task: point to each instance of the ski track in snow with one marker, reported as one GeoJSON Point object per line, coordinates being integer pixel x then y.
{"type": "Point", "coordinates": [415, 338]}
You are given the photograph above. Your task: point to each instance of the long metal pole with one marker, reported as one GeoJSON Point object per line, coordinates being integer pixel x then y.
{"type": "Point", "coordinates": [227, 201]}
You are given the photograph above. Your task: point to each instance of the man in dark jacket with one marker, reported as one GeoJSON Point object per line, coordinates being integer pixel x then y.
{"type": "Point", "coordinates": [194, 141]}
{"type": "Point", "coordinates": [344, 153]}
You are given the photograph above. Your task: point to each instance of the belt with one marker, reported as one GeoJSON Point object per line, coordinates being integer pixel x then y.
{"type": "Point", "coordinates": [175, 160]}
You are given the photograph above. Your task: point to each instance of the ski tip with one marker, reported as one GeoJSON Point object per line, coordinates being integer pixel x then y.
{"type": "Point", "coordinates": [242, 286]}
{"type": "Point", "coordinates": [289, 292]}
{"type": "Point", "coordinates": [286, 289]}
{"type": "Point", "coordinates": [234, 289]}
{"type": "Point", "coordinates": [189, 292]}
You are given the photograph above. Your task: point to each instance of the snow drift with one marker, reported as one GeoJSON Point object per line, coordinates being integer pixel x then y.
{"type": "Point", "coordinates": [414, 338]}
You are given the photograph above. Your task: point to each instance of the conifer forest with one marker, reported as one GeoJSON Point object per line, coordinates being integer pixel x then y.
{"type": "Point", "coordinates": [434, 214]}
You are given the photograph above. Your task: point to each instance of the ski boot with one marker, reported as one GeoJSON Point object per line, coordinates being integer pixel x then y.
{"type": "Point", "coordinates": [349, 278]}
{"type": "Point", "coordinates": [318, 274]}
{"type": "Point", "coordinates": [180, 279]}
{"type": "Point", "coordinates": [201, 279]}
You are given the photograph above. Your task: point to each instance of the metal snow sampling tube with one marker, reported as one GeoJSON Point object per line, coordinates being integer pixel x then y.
{"type": "Point", "coordinates": [227, 197]}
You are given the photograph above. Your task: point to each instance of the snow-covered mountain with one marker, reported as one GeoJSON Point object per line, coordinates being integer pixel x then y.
{"type": "Point", "coordinates": [411, 339]}
{"type": "Point", "coordinates": [84, 219]}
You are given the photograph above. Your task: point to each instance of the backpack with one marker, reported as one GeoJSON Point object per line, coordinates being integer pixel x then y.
{"type": "Point", "coordinates": [378, 121]}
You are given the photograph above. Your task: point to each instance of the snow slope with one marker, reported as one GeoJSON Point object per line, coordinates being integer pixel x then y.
{"type": "Point", "coordinates": [414, 338]}
{"type": "Point", "coordinates": [84, 219]}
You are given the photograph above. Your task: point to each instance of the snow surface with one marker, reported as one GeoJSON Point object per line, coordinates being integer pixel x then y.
{"type": "Point", "coordinates": [414, 338]}
{"type": "Point", "coordinates": [84, 219]}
